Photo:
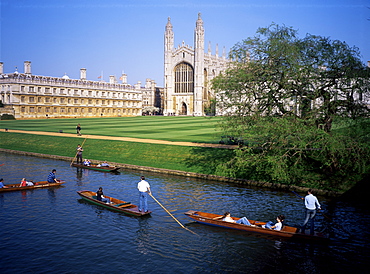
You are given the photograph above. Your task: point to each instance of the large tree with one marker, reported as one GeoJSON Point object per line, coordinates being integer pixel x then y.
{"type": "Point", "coordinates": [282, 94]}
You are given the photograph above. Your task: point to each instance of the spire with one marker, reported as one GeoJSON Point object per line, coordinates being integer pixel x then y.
{"type": "Point", "coordinates": [169, 25]}
{"type": "Point", "coordinates": [199, 33]}
{"type": "Point", "coordinates": [199, 24]}
{"type": "Point", "coordinates": [217, 50]}
{"type": "Point", "coordinates": [209, 48]}
{"type": "Point", "coordinates": [169, 37]}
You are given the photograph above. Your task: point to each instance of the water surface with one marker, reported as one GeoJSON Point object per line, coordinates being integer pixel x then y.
{"type": "Point", "coordinates": [53, 230]}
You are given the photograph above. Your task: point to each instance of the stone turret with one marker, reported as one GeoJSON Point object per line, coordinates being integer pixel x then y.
{"type": "Point", "coordinates": [123, 78]}
{"type": "Point", "coordinates": [83, 74]}
{"type": "Point", "coordinates": [112, 79]}
{"type": "Point", "coordinates": [27, 67]}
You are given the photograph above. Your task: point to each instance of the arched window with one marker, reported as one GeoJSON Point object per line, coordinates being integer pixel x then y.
{"type": "Point", "coordinates": [205, 85]}
{"type": "Point", "coordinates": [184, 78]}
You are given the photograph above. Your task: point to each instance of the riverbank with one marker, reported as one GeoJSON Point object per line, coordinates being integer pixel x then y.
{"type": "Point", "coordinates": [280, 187]}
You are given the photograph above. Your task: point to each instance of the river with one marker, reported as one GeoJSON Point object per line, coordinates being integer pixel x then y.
{"type": "Point", "coordinates": [54, 231]}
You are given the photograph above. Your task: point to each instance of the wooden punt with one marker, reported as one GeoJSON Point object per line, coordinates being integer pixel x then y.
{"type": "Point", "coordinates": [37, 185]}
{"type": "Point", "coordinates": [97, 167]}
{"type": "Point", "coordinates": [286, 232]}
{"type": "Point", "coordinates": [115, 205]}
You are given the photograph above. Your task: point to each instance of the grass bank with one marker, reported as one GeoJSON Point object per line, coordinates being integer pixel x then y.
{"type": "Point", "coordinates": [142, 154]}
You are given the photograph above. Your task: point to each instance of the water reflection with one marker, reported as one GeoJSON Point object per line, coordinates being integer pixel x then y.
{"type": "Point", "coordinates": [24, 195]}
{"type": "Point", "coordinates": [79, 175]}
{"type": "Point", "coordinates": [142, 236]}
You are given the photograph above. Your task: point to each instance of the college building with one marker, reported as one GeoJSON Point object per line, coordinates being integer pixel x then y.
{"type": "Point", "coordinates": [187, 75]}
{"type": "Point", "coordinates": [25, 95]}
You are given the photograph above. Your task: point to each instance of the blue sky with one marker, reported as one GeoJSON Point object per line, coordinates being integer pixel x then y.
{"type": "Point", "coordinates": [111, 36]}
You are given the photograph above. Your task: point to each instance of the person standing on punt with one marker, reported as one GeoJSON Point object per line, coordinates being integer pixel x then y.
{"type": "Point", "coordinates": [51, 178]}
{"type": "Point", "coordinates": [79, 154]}
{"type": "Point", "coordinates": [311, 204]}
{"type": "Point", "coordinates": [144, 188]}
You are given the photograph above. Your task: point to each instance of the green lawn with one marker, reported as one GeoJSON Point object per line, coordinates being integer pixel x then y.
{"type": "Point", "coordinates": [193, 129]}
{"type": "Point", "coordinates": [141, 154]}
{"type": "Point", "coordinates": [186, 129]}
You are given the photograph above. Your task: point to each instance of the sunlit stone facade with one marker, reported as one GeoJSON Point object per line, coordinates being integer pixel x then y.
{"type": "Point", "coordinates": [188, 72]}
{"type": "Point", "coordinates": [25, 95]}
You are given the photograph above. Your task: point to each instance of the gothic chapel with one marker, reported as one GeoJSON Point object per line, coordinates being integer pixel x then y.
{"type": "Point", "coordinates": [188, 72]}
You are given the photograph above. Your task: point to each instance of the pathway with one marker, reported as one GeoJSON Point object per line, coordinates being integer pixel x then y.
{"type": "Point", "coordinates": [126, 139]}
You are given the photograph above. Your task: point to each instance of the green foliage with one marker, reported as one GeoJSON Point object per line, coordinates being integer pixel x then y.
{"type": "Point", "coordinates": [276, 73]}
{"type": "Point", "coordinates": [210, 108]}
{"type": "Point", "coordinates": [283, 95]}
{"type": "Point", "coordinates": [292, 151]}
{"type": "Point", "coordinates": [7, 117]}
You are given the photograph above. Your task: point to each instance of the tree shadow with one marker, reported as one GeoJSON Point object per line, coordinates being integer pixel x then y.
{"type": "Point", "coordinates": [206, 160]}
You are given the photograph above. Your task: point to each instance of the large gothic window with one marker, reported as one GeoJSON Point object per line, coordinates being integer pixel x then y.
{"type": "Point", "coordinates": [184, 78]}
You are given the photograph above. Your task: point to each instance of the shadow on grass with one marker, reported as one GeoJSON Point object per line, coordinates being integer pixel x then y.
{"type": "Point", "coordinates": [206, 160]}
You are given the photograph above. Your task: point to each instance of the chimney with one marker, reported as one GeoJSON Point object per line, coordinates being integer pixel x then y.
{"type": "Point", "coordinates": [124, 78]}
{"type": "Point", "coordinates": [148, 83]}
{"type": "Point", "coordinates": [27, 67]}
{"type": "Point", "coordinates": [138, 85]}
{"type": "Point", "coordinates": [1, 68]}
{"type": "Point", "coordinates": [83, 74]}
{"type": "Point", "coordinates": [112, 79]}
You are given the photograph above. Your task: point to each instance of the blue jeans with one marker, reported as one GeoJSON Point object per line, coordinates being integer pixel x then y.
{"type": "Point", "coordinates": [243, 221]}
{"type": "Point", "coordinates": [143, 198]}
{"type": "Point", "coordinates": [310, 216]}
{"type": "Point", "coordinates": [269, 224]}
{"type": "Point", "coordinates": [104, 200]}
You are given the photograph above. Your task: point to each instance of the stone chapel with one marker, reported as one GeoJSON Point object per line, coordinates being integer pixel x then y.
{"type": "Point", "coordinates": [188, 72]}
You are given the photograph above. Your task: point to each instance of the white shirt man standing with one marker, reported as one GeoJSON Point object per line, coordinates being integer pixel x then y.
{"type": "Point", "coordinates": [144, 188]}
{"type": "Point", "coordinates": [311, 203]}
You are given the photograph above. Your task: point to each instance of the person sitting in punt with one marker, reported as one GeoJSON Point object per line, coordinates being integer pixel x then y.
{"type": "Point", "coordinates": [51, 177]}
{"type": "Point", "coordinates": [105, 164]}
{"type": "Point", "coordinates": [100, 196]}
{"type": "Point", "coordinates": [227, 218]}
{"type": "Point", "coordinates": [278, 226]}
{"type": "Point", "coordinates": [25, 183]}
{"type": "Point", "coordinates": [2, 183]}
{"type": "Point", "coordinates": [87, 162]}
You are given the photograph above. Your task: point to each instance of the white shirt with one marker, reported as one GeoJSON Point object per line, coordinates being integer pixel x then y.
{"type": "Point", "coordinates": [278, 226]}
{"type": "Point", "coordinates": [143, 186]}
{"type": "Point", "coordinates": [228, 219]}
{"type": "Point", "coordinates": [311, 201]}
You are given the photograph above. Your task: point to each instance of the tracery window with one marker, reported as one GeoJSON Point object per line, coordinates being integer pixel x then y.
{"type": "Point", "coordinates": [184, 78]}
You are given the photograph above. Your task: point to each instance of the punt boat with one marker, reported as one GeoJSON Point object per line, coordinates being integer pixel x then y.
{"type": "Point", "coordinates": [115, 205]}
{"type": "Point", "coordinates": [37, 185]}
{"type": "Point", "coordinates": [255, 227]}
{"type": "Point", "coordinates": [97, 167]}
